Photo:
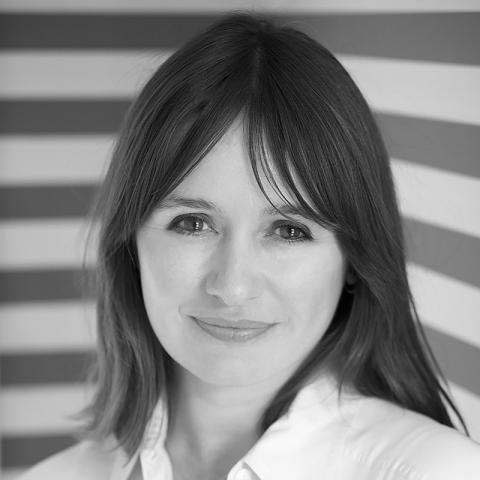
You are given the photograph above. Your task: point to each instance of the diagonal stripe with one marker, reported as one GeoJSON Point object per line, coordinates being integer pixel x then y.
{"type": "Point", "coordinates": [58, 243]}
{"type": "Point", "coordinates": [47, 326]}
{"type": "Point", "coordinates": [60, 74]}
{"type": "Point", "coordinates": [445, 199]}
{"type": "Point", "coordinates": [136, 31]}
{"type": "Point", "coordinates": [125, 6]}
{"type": "Point", "coordinates": [65, 116]}
{"type": "Point", "coordinates": [49, 409]}
{"type": "Point", "coordinates": [12, 473]}
{"type": "Point", "coordinates": [458, 360]}
{"type": "Point", "coordinates": [21, 451]}
{"type": "Point", "coordinates": [151, 6]}
{"type": "Point", "coordinates": [445, 304]}
{"type": "Point", "coordinates": [46, 201]}
{"type": "Point", "coordinates": [447, 252]}
{"type": "Point", "coordinates": [469, 405]}
{"type": "Point", "coordinates": [437, 91]}
{"type": "Point", "coordinates": [62, 159]}
{"type": "Point", "coordinates": [44, 368]}
{"type": "Point", "coordinates": [443, 37]}
{"type": "Point", "coordinates": [43, 409]}
{"type": "Point", "coordinates": [425, 89]}
{"type": "Point", "coordinates": [53, 159]}
{"type": "Point", "coordinates": [61, 241]}
{"type": "Point", "coordinates": [42, 285]}
{"type": "Point", "coordinates": [421, 192]}
{"type": "Point", "coordinates": [444, 251]}
{"type": "Point", "coordinates": [444, 145]}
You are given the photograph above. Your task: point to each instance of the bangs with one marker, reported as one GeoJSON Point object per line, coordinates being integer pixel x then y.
{"type": "Point", "coordinates": [297, 137]}
{"type": "Point", "coordinates": [283, 162]}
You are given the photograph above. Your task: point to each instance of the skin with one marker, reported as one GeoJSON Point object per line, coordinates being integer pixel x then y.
{"type": "Point", "coordinates": [237, 262]}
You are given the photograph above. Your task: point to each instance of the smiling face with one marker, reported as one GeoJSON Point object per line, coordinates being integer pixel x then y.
{"type": "Point", "coordinates": [236, 293]}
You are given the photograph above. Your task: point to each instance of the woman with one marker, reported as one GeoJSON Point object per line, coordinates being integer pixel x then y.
{"type": "Point", "coordinates": [254, 314]}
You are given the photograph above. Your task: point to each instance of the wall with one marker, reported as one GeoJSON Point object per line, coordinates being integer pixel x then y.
{"type": "Point", "coordinates": [68, 70]}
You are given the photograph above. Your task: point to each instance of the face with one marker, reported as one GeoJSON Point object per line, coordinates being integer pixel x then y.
{"type": "Point", "coordinates": [236, 294]}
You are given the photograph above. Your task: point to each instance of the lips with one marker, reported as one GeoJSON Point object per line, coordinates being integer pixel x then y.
{"type": "Point", "coordinates": [225, 323]}
{"type": "Point", "coordinates": [237, 331]}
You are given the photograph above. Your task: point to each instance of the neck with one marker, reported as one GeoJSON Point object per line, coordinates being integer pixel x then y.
{"type": "Point", "coordinates": [214, 426]}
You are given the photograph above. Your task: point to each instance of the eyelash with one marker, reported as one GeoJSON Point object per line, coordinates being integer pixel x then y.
{"type": "Point", "coordinates": [175, 227]}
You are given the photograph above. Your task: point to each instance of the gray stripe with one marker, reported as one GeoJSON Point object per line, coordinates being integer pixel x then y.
{"type": "Point", "coordinates": [443, 37]}
{"type": "Point", "coordinates": [459, 361]}
{"type": "Point", "coordinates": [105, 31]}
{"type": "Point", "coordinates": [448, 252]}
{"type": "Point", "coordinates": [44, 368]}
{"type": "Point", "coordinates": [46, 201]}
{"type": "Point", "coordinates": [18, 452]}
{"type": "Point", "coordinates": [42, 285]}
{"type": "Point", "coordinates": [450, 146]}
{"type": "Point", "coordinates": [61, 116]}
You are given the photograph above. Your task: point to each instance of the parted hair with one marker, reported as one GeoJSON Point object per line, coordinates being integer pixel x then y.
{"type": "Point", "coordinates": [301, 112]}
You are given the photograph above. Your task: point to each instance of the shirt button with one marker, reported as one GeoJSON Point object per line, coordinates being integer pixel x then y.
{"type": "Point", "coordinates": [244, 474]}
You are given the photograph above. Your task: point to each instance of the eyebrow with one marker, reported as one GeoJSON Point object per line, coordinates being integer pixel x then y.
{"type": "Point", "coordinates": [175, 201]}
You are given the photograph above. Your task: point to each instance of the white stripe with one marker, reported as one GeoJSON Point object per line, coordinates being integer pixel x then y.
{"type": "Point", "coordinates": [12, 473]}
{"type": "Point", "coordinates": [31, 244]}
{"type": "Point", "coordinates": [446, 304]}
{"type": "Point", "coordinates": [431, 90]}
{"type": "Point", "coordinates": [33, 74]}
{"type": "Point", "coordinates": [425, 89]}
{"type": "Point", "coordinates": [469, 405]}
{"type": "Point", "coordinates": [44, 409]}
{"type": "Point", "coordinates": [127, 6]}
{"type": "Point", "coordinates": [46, 327]}
{"type": "Point", "coordinates": [442, 198]}
{"type": "Point", "coordinates": [53, 160]}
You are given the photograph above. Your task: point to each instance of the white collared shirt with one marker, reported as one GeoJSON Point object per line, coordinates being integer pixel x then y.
{"type": "Point", "coordinates": [322, 437]}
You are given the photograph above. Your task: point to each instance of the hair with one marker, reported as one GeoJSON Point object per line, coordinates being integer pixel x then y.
{"type": "Point", "coordinates": [301, 112]}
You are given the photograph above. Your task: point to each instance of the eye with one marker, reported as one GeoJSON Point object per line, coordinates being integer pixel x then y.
{"type": "Point", "coordinates": [190, 225]}
{"type": "Point", "coordinates": [292, 233]}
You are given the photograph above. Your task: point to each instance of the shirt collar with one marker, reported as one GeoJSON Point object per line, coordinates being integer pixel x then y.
{"type": "Point", "coordinates": [284, 451]}
{"type": "Point", "coordinates": [289, 447]}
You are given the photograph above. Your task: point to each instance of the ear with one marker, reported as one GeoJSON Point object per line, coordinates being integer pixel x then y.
{"type": "Point", "coordinates": [350, 281]}
{"type": "Point", "coordinates": [350, 277]}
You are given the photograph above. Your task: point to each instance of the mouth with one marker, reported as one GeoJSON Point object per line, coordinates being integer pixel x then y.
{"type": "Point", "coordinates": [235, 332]}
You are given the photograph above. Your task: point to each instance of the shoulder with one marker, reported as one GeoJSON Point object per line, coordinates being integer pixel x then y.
{"type": "Point", "coordinates": [87, 459]}
{"type": "Point", "coordinates": [408, 443]}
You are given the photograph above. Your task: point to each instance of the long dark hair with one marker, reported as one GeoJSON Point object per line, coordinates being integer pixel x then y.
{"type": "Point", "coordinates": [301, 109]}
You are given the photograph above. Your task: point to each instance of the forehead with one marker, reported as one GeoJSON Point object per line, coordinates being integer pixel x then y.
{"type": "Point", "coordinates": [224, 178]}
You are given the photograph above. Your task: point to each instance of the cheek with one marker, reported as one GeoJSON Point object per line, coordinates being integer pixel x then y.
{"type": "Point", "coordinates": [312, 289]}
{"type": "Point", "coordinates": [170, 277]}
{"type": "Point", "coordinates": [169, 271]}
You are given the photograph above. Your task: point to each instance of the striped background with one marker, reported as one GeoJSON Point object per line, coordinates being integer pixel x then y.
{"type": "Point", "coordinates": [67, 72]}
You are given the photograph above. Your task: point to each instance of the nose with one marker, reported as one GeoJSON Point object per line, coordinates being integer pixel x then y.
{"type": "Point", "coordinates": [234, 275]}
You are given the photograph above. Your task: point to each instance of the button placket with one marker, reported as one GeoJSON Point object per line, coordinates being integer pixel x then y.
{"type": "Point", "coordinates": [243, 472]}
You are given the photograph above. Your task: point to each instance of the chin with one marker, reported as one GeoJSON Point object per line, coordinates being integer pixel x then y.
{"type": "Point", "coordinates": [229, 374]}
